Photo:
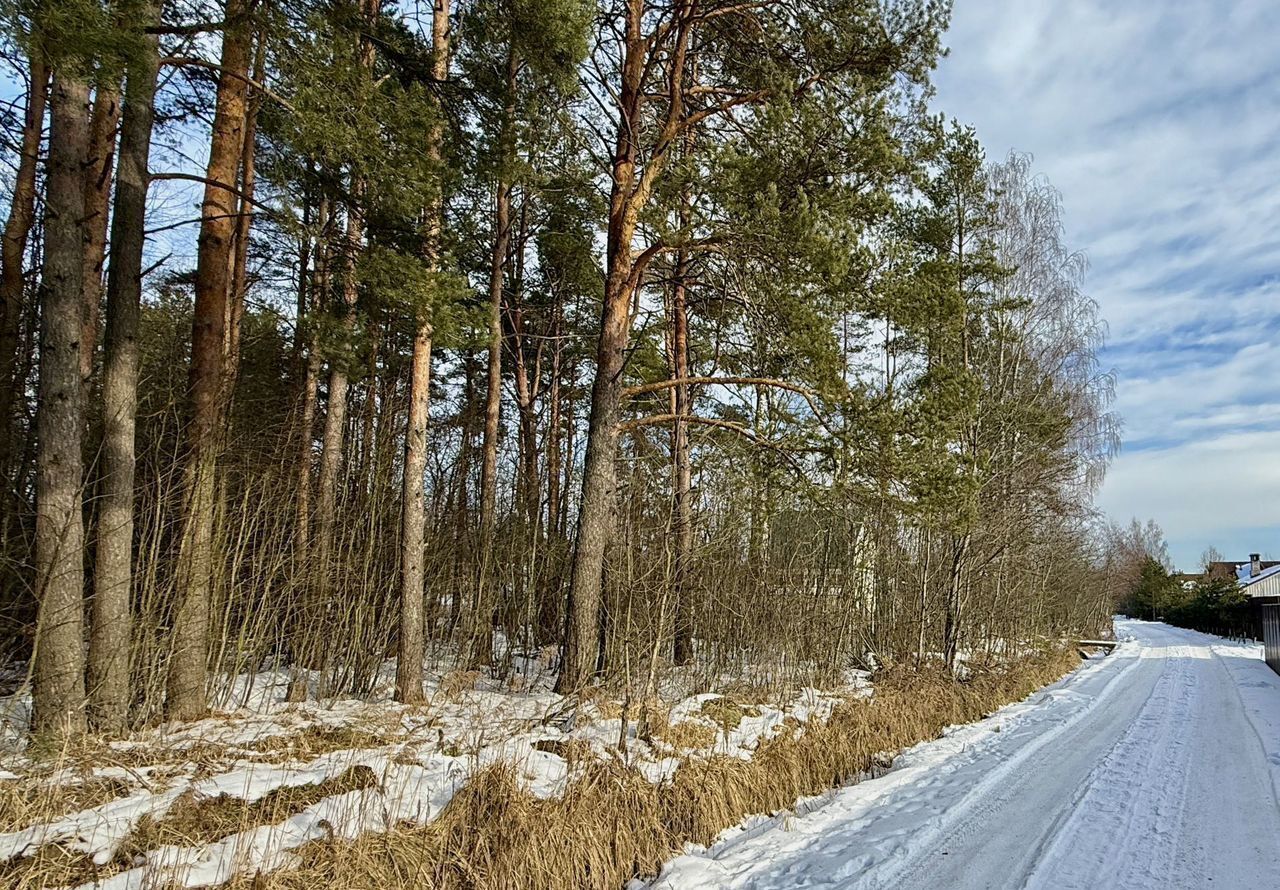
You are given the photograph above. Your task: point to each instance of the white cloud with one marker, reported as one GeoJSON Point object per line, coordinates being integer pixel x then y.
{"type": "Point", "coordinates": [1220, 491]}
{"type": "Point", "coordinates": [1158, 122]}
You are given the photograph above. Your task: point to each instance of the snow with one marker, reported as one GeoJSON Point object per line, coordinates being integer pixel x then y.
{"type": "Point", "coordinates": [1155, 767]}
{"type": "Point", "coordinates": [420, 755]}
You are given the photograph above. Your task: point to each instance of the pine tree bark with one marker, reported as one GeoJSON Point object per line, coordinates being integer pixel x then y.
{"type": "Point", "coordinates": [58, 672]}
{"type": "Point", "coordinates": [244, 223]}
{"type": "Point", "coordinates": [596, 511]}
{"type": "Point", "coordinates": [102, 148]}
{"type": "Point", "coordinates": [682, 467]}
{"type": "Point", "coordinates": [13, 250]}
{"type": "Point", "coordinates": [111, 631]}
{"type": "Point", "coordinates": [481, 631]}
{"type": "Point", "coordinates": [310, 390]}
{"type": "Point", "coordinates": [187, 667]}
{"type": "Point", "coordinates": [333, 440]}
{"type": "Point", "coordinates": [413, 505]}
{"type": "Point", "coordinates": [549, 582]}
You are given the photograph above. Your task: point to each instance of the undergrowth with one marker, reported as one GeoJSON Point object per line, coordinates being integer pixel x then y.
{"type": "Point", "coordinates": [612, 824]}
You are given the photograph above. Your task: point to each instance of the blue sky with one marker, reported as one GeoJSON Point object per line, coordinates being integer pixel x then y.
{"type": "Point", "coordinates": [1160, 124]}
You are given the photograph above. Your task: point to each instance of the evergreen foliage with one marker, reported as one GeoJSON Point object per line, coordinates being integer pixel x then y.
{"type": "Point", "coordinates": [729, 345]}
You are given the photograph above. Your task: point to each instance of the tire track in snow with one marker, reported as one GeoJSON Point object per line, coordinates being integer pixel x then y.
{"type": "Point", "coordinates": [1126, 825]}
{"type": "Point", "coordinates": [969, 816]}
{"type": "Point", "coordinates": [868, 835]}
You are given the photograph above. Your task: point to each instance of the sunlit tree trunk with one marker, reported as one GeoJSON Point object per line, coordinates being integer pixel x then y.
{"type": "Point", "coordinates": [187, 667]}
{"type": "Point", "coordinates": [109, 639]}
{"type": "Point", "coordinates": [413, 505]}
{"type": "Point", "coordinates": [596, 511]}
{"type": "Point", "coordinates": [58, 671]}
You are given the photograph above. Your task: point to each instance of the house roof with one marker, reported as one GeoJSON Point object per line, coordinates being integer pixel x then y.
{"type": "Point", "coordinates": [1249, 580]}
{"type": "Point", "coordinates": [1235, 569]}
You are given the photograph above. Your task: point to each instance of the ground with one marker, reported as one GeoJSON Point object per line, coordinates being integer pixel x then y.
{"type": "Point", "coordinates": [238, 792]}
{"type": "Point", "coordinates": [1156, 767]}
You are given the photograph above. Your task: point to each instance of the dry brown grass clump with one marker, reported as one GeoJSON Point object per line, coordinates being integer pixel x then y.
{"type": "Point", "coordinates": [727, 712]}
{"type": "Point", "coordinates": [30, 801]}
{"type": "Point", "coordinates": [191, 821]}
{"type": "Point", "coordinates": [53, 865]}
{"type": "Point", "coordinates": [612, 824]}
{"type": "Point", "coordinates": [315, 740]}
{"type": "Point", "coordinates": [570, 750]}
{"type": "Point", "coordinates": [604, 829]}
{"type": "Point", "coordinates": [454, 683]}
{"type": "Point", "coordinates": [684, 735]}
{"type": "Point", "coordinates": [195, 820]}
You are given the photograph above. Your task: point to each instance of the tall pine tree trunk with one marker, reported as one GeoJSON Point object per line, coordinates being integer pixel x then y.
{"type": "Point", "coordinates": [58, 675]}
{"type": "Point", "coordinates": [309, 391]}
{"type": "Point", "coordinates": [623, 274]}
{"type": "Point", "coordinates": [596, 518]}
{"type": "Point", "coordinates": [111, 632]}
{"type": "Point", "coordinates": [333, 440]}
{"type": "Point", "coordinates": [681, 460]}
{"type": "Point", "coordinates": [549, 580]}
{"type": "Point", "coordinates": [102, 147]}
{"type": "Point", "coordinates": [187, 666]}
{"type": "Point", "coordinates": [244, 222]}
{"type": "Point", "coordinates": [13, 250]}
{"type": "Point", "coordinates": [481, 634]}
{"type": "Point", "coordinates": [413, 506]}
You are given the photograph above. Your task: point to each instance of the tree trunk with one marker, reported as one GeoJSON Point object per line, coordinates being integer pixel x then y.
{"type": "Point", "coordinates": [109, 640]}
{"type": "Point", "coordinates": [413, 506]}
{"type": "Point", "coordinates": [955, 580]}
{"type": "Point", "coordinates": [187, 667]}
{"type": "Point", "coordinates": [549, 582]}
{"type": "Point", "coordinates": [335, 426]}
{"type": "Point", "coordinates": [596, 511]}
{"type": "Point", "coordinates": [58, 675]}
{"type": "Point", "coordinates": [366, 464]}
{"type": "Point", "coordinates": [596, 518]}
{"type": "Point", "coordinates": [413, 521]}
{"type": "Point", "coordinates": [102, 146]}
{"type": "Point", "coordinates": [481, 632]}
{"type": "Point", "coordinates": [13, 250]}
{"type": "Point", "coordinates": [681, 463]}
{"type": "Point", "coordinates": [244, 222]}
{"type": "Point", "coordinates": [335, 422]}
{"type": "Point", "coordinates": [310, 389]}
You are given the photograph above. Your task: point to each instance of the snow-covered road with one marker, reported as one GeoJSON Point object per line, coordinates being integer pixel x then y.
{"type": "Point", "coordinates": [1156, 767]}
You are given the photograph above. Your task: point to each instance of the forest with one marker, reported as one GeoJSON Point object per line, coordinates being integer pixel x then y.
{"type": "Point", "coordinates": [616, 337]}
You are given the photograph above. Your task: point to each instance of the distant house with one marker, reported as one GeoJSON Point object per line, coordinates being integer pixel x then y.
{"type": "Point", "coordinates": [1239, 570]}
{"type": "Point", "coordinates": [1261, 581]}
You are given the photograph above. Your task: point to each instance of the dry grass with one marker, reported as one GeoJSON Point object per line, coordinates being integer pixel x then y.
{"type": "Point", "coordinates": [604, 705]}
{"type": "Point", "coordinates": [29, 801]}
{"type": "Point", "coordinates": [609, 826]}
{"type": "Point", "coordinates": [455, 683]}
{"type": "Point", "coordinates": [612, 824]}
{"type": "Point", "coordinates": [53, 865]}
{"type": "Point", "coordinates": [572, 751]}
{"type": "Point", "coordinates": [191, 821]}
{"type": "Point", "coordinates": [685, 735]}
{"type": "Point", "coordinates": [726, 712]}
{"type": "Point", "coordinates": [194, 820]}
{"type": "Point", "coordinates": [315, 740]}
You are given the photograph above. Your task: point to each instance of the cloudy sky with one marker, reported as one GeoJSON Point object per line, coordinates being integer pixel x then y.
{"type": "Point", "coordinates": [1160, 124]}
